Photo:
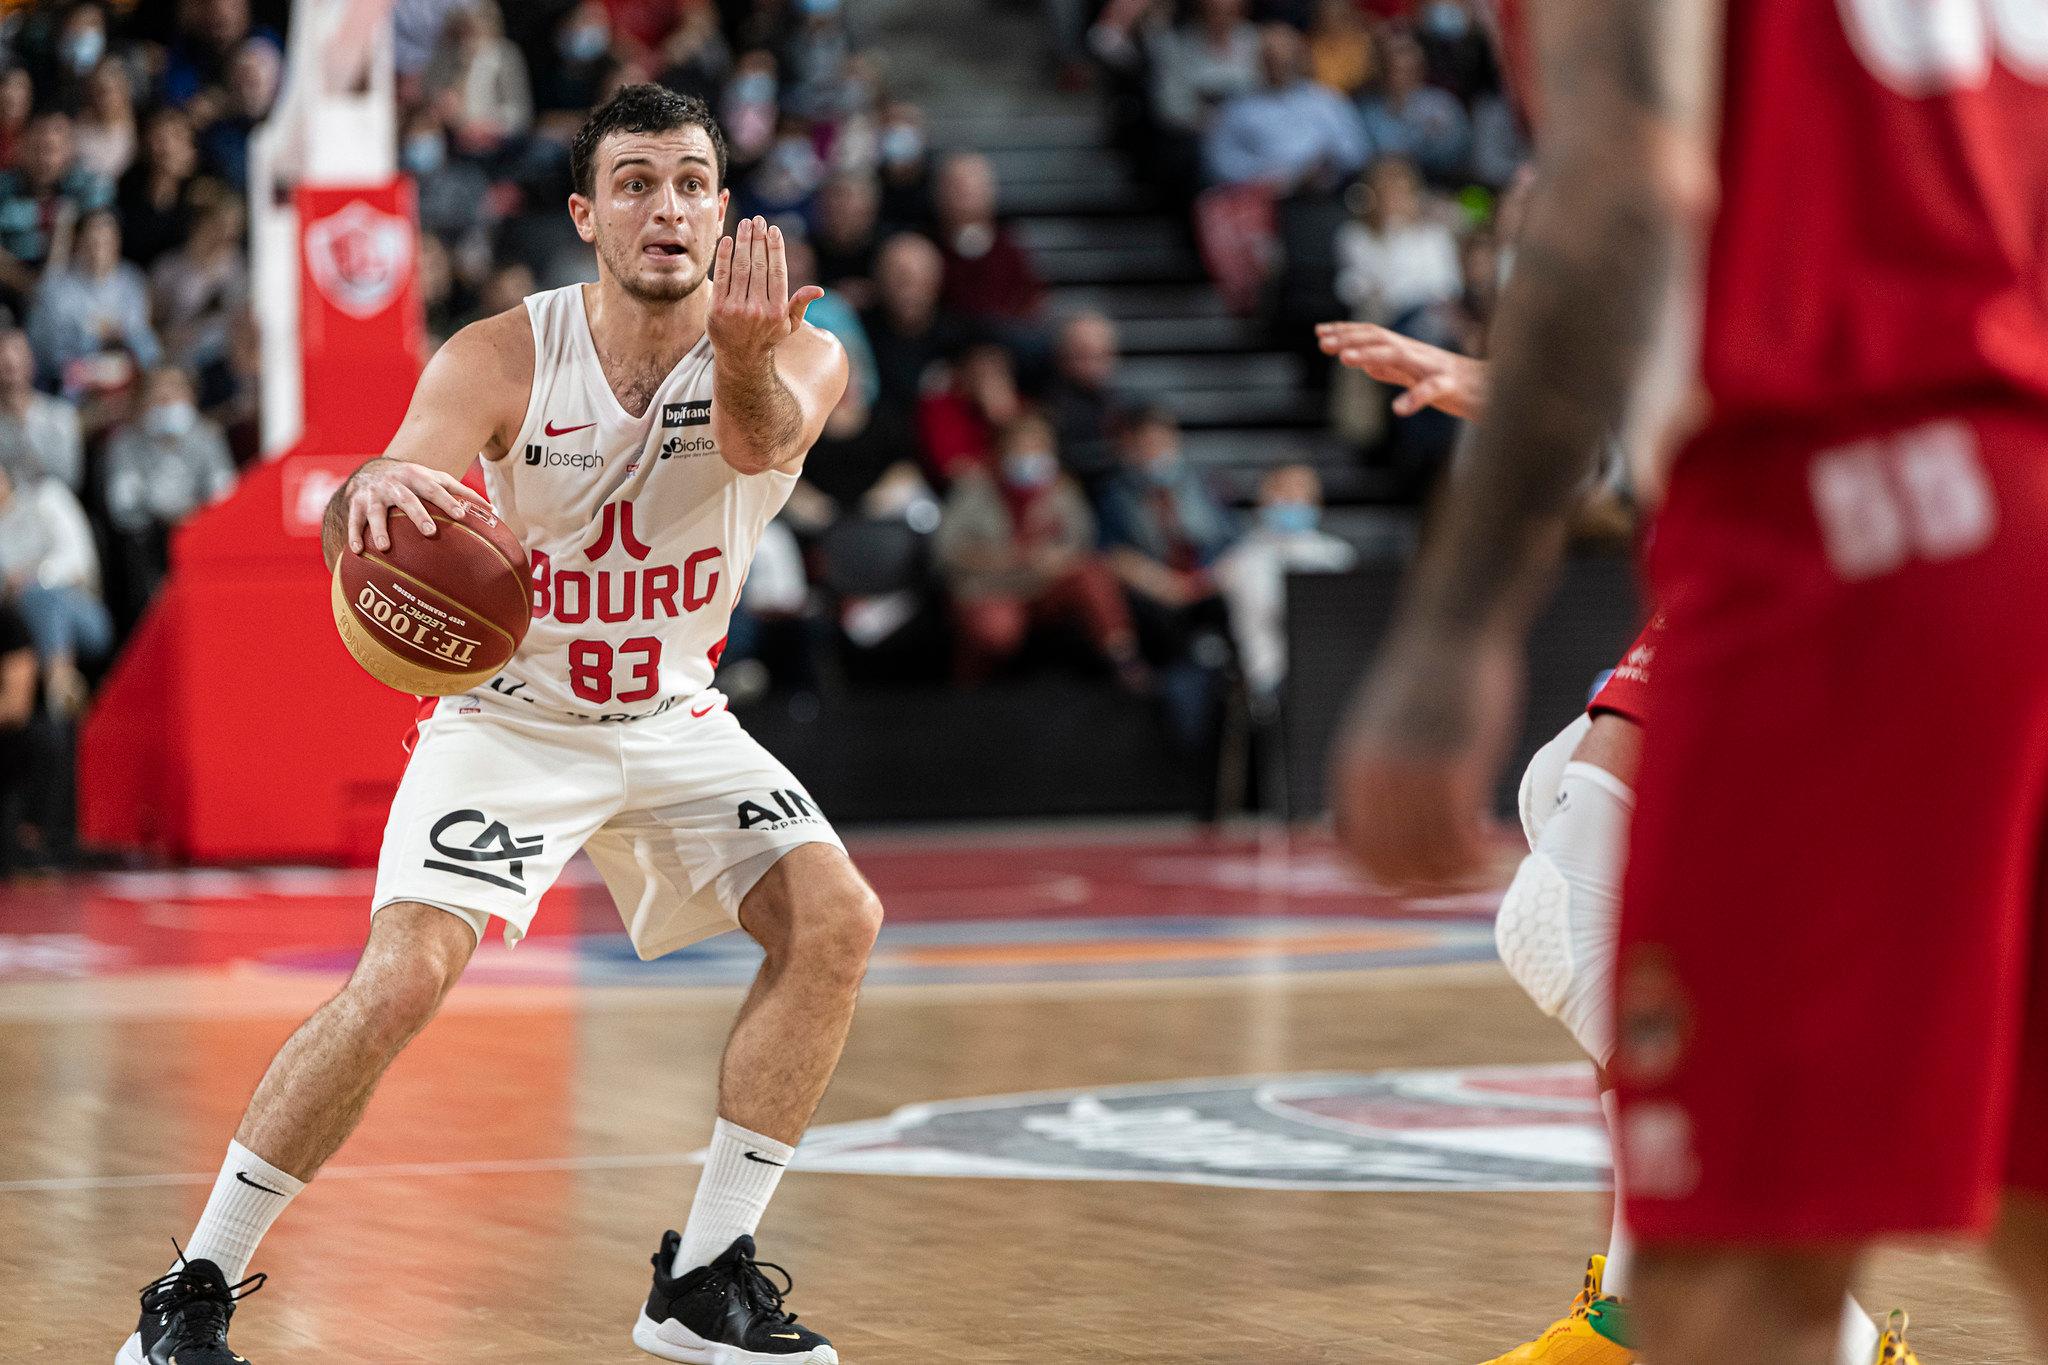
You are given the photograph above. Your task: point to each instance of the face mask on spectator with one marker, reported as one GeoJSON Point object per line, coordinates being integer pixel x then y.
{"type": "Point", "coordinates": [1029, 468]}
{"type": "Point", "coordinates": [902, 144]}
{"type": "Point", "coordinates": [1164, 471]}
{"type": "Point", "coordinates": [756, 87]}
{"type": "Point", "coordinates": [1446, 20]}
{"type": "Point", "coordinates": [83, 49]}
{"type": "Point", "coordinates": [813, 8]}
{"type": "Point", "coordinates": [586, 42]}
{"type": "Point", "coordinates": [425, 153]}
{"type": "Point", "coordinates": [170, 419]}
{"type": "Point", "coordinates": [1290, 518]}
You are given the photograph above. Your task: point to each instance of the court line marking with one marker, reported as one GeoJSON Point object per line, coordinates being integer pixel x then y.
{"type": "Point", "coordinates": [523, 1166]}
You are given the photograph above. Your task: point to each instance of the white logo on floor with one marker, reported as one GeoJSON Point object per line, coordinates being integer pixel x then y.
{"type": "Point", "coordinates": [1488, 1128]}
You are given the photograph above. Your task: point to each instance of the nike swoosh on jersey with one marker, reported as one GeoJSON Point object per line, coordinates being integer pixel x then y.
{"type": "Point", "coordinates": [552, 430]}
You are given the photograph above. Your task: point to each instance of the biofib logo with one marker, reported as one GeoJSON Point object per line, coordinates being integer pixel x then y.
{"type": "Point", "coordinates": [571, 459]}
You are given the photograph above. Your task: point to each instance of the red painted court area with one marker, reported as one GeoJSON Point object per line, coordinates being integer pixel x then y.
{"type": "Point", "coordinates": [1140, 904]}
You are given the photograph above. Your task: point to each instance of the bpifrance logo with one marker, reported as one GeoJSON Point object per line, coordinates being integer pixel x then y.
{"type": "Point", "coordinates": [360, 257]}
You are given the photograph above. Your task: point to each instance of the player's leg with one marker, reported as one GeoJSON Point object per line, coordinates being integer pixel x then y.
{"type": "Point", "coordinates": [1557, 934]}
{"type": "Point", "coordinates": [2020, 1246]}
{"type": "Point", "coordinates": [486, 816]}
{"type": "Point", "coordinates": [306, 1105]}
{"type": "Point", "coordinates": [727, 836]}
{"type": "Point", "coordinates": [1742, 1308]}
{"type": "Point", "coordinates": [1827, 891]}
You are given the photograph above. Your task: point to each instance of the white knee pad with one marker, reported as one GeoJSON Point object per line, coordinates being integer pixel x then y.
{"type": "Point", "coordinates": [1559, 919]}
{"type": "Point", "coordinates": [1538, 796]}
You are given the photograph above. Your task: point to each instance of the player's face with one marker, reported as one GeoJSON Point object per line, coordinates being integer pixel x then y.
{"type": "Point", "coordinates": [655, 212]}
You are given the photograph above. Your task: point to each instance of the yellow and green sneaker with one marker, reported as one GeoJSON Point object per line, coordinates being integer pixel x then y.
{"type": "Point", "coordinates": [1891, 1347]}
{"type": "Point", "coordinates": [1595, 1332]}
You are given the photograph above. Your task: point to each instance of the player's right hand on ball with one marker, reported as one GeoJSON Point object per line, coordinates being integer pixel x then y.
{"type": "Point", "coordinates": [403, 487]}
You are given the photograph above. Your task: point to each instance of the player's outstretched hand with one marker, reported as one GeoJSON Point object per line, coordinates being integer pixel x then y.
{"type": "Point", "coordinates": [388, 486]}
{"type": "Point", "coordinates": [1412, 777]}
{"type": "Point", "coordinates": [751, 306]}
{"type": "Point", "coordinates": [1431, 376]}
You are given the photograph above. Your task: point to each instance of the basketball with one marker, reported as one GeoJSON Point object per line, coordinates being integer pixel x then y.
{"type": "Point", "coordinates": [435, 615]}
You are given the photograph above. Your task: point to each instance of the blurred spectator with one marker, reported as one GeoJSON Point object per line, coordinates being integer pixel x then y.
{"type": "Point", "coordinates": [957, 425]}
{"type": "Point", "coordinates": [861, 464]}
{"type": "Point", "coordinates": [1164, 530]}
{"type": "Point", "coordinates": [416, 29]}
{"type": "Point", "coordinates": [230, 390]}
{"type": "Point", "coordinates": [20, 686]}
{"type": "Point", "coordinates": [1292, 133]}
{"type": "Point", "coordinates": [1341, 51]}
{"type": "Point", "coordinates": [50, 570]}
{"type": "Point", "coordinates": [1016, 545]}
{"type": "Point", "coordinates": [210, 35]}
{"type": "Point", "coordinates": [1082, 401]}
{"type": "Point", "coordinates": [1394, 257]}
{"type": "Point", "coordinates": [574, 82]}
{"type": "Point", "coordinates": [253, 76]}
{"type": "Point", "coordinates": [788, 174]}
{"type": "Point", "coordinates": [17, 103]}
{"type": "Point", "coordinates": [38, 434]}
{"type": "Point", "coordinates": [1253, 573]}
{"type": "Point", "coordinates": [814, 60]}
{"type": "Point", "coordinates": [834, 313]}
{"type": "Point", "coordinates": [106, 132]}
{"type": "Point", "coordinates": [87, 313]}
{"type": "Point", "coordinates": [848, 235]}
{"type": "Point", "coordinates": [156, 199]}
{"type": "Point", "coordinates": [454, 196]}
{"type": "Point", "coordinates": [906, 168]}
{"type": "Point", "coordinates": [477, 82]}
{"type": "Point", "coordinates": [907, 328]}
{"type": "Point", "coordinates": [989, 274]}
{"type": "Point", "coordinates": [695, 59]}
{"type": "Point", "coordinates": [1416, 120]}
{"type": "Point", "coordinates": [750, 109]}
{"type": "Point", "coordinates": [1457, 51]}
{"type": "Point", "coordinates": [41, 200]}
{"type": "Point", "coordinates": [1162, 523]}
{"type": "Point", "coordinates": [1480, 273]}
{"type": "Point", "coordinates": [161, 468]}
{"type": "Point", "coordinates": [81, 50]}
{"type": "Point", "coordinates": [1199, 65]}
{"type": "Point", "coordinates": [1498, 147]}
{"type": "Point", "coordinates": [505, 290]}
{"type": "Point", "coordinates": [640, 27]}
{"type": "Point", "coordinates": [196, 289]}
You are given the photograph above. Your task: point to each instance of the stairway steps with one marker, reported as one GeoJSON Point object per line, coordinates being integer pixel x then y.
{"type": "Point", "coordinates": [1128, 301]}
{"type": "Point", "coordinates": [1088, 265]}
{"type": "Point", "coordinates": [1250, 370]}
{"type": "Point", "coordinates": [1068, 234]}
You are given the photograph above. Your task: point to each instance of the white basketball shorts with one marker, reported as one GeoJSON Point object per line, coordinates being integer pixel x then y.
{"type": "Point", "coordinates": [682, 813]}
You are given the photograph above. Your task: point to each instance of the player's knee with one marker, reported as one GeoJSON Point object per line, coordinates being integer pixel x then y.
{"type": "Point", "coordinates": [844, 925]}
{"type": "Point", "coordinates": [1541, 779]}
{"type": "Point", "coordinates": [415, 956]}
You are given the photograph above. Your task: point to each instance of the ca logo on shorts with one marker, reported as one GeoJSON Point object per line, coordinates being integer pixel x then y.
{"type": "Point", "coordinates": [492, 844]}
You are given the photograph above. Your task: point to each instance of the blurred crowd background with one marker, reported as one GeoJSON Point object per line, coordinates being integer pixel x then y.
{"type": "Point", "coordinates": [996, 497]}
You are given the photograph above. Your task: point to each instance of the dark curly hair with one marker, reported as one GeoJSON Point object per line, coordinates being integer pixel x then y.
{"type": "Point", "coordinates": [640, 109]}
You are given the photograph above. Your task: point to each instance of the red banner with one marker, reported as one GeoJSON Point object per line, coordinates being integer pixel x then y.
{"type": "Point", "coordinates": [361, 321]}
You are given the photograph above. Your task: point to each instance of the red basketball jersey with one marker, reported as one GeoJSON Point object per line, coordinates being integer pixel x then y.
{"type": "Point", "coordinates": [1880, 250]}
{"type": "Point", "coordinates": [1881, 245]}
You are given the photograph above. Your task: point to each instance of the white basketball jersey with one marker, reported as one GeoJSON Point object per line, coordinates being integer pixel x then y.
{"type": "Point", "coordinates": [638, 531]}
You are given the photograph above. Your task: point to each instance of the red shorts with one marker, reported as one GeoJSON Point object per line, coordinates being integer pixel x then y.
{"type": "Point", "coordinates": [1626, 693]}
{"type": "Point", "coordinates": [1832, 1001]}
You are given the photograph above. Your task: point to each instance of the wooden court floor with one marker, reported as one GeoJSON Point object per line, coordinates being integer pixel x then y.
{"type": "Point", "coordinates": [504, 1195]}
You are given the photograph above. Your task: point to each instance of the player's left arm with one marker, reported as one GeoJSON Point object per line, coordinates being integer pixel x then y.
{"type": "Point", "coordinates": [1603, 295]}
{"type": "Point", "coordinates": [777, 377]}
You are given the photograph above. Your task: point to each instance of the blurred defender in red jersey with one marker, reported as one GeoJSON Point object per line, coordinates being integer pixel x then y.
{"type": "Point", "coordinates": [1833, 216]}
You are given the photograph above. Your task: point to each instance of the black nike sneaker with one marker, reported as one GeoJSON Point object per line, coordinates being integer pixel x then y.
{"type": "Point", "coordinates": [725, 1313]}
{"type": "Point", "coordinates": [185, 1318]}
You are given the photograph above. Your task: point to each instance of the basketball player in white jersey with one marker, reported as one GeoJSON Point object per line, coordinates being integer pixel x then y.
{"type": "Point", "coordinates": [637, 434]}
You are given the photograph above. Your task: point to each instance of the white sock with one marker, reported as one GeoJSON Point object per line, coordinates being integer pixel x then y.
{"type": "Point", "coordinates": [247, 1198]}
{"type": "Point", "coordinates": [1858, 1344]}
{"type": "Point", "coordinates": [740, 1176]}
{"type": "Point", "coordinates": [1619, 1248]}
